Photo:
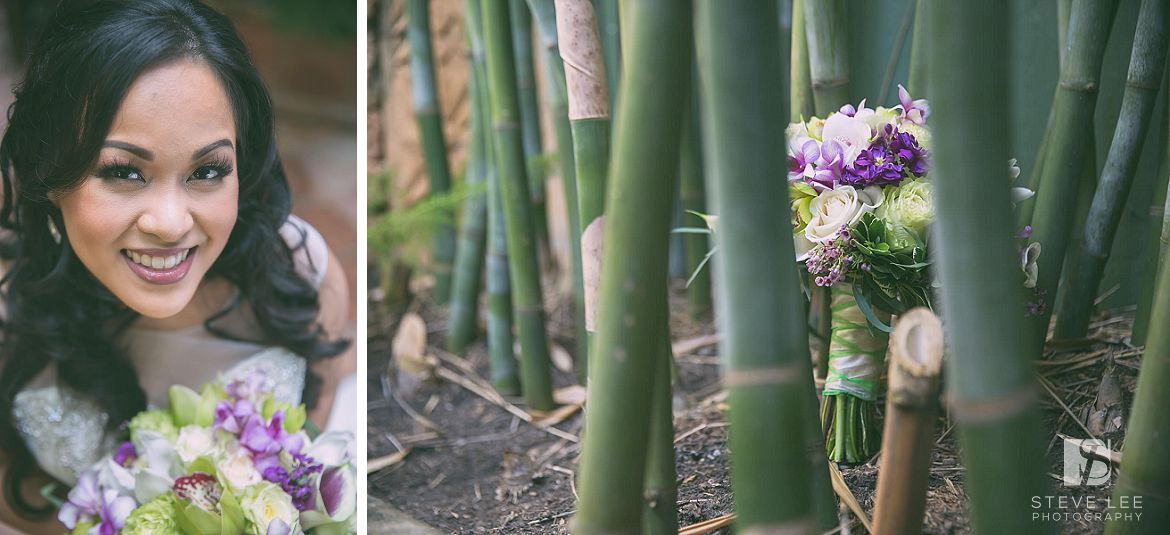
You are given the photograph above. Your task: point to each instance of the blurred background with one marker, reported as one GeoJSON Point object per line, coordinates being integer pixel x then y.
{"type": "Point", "coordinates": [306, 52]}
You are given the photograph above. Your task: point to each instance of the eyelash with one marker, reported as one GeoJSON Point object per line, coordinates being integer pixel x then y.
{"type": "Point", "coordinates": [122, 169]}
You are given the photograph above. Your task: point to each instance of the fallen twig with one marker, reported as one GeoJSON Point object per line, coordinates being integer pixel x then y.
{"type": "Point", "coordinates": [847, 497]}
{"type": "Point", "coordinates": [707, 526]}
{"type": "Point", "coordinates": [389, 460]}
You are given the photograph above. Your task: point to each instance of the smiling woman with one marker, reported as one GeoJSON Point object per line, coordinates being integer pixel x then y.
{"type": "Point", "coordinates": [154, 242]}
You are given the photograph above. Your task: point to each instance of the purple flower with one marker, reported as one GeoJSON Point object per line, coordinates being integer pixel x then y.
{"type": "Point", "coordinates": [800, 163]}
{"type": "Point", "coordinates": [249, 387]}
{"type": "Point", "coordinates": [1026, 233]}
{"type": "Point", "coordinates": [915, 111]}
{"type": "Point", "coordinates": [297, 483]}
{"type": "Point", "coordinates": [232, 416]}
{"type": "Point", "coordinates": [830, 263]}
{"type": "Point", "coordinates": [875, 165]}
{"type": "Point", "coordinates": [905, 146]}
{"type": "Point", "coordinates": [830, 166]}
{"type": "Point", "coordinates": [88, 501]}
{"type": "Point", "coordinates": [269, 438]}
{"type": "Point", "coordinates": [126, 454]}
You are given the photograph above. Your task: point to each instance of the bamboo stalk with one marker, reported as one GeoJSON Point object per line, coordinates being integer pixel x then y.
{"type": "Point", "coordinates": [693, 198]}
{"type": "Point", "coordinates": [1145, 467]}
{"type": "Point", "coordinates": [627, 347]}
{"type": "Point", "coordinates": [915, 364]}
{"type": "Point", "coordinates": [989, 381]}
{"type": "Point", "coordinates": [611, 42]}
{"type": "Point", "coordinates": [1071, 131]}
{"type": "Point", "coordinates": [585, 78]}
{"type": "Point", "coordinates": [469, 257]}
{"type": "Point", "coordinates": [558, 103]}
{"type": "Point", "coordinates": [1145, 76]}
{"type": "Point", "coordinates": [801, 107]}
{"type": "Point", "coordinates": [524, 266]}
{"type": "Point", "coordinates": [918, 52]}
{"type": "Point", "coordinates": [826, 27]}
{"type": "Point", "coordinates": [660, 495]}
{"type": "Point", "coordinates": [425, 99]}
{"type": "Point", "coordinates": [1157, 244]}
{"type": "Point", "coordinates": [529, 117]}
{"type": "Point", "coordinates": [767, 367]}
{"type": "Point", "coordinates": [504, 370]}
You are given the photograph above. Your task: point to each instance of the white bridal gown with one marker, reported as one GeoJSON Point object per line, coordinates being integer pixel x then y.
{"type": "Point", "coordinates": [65, 432]}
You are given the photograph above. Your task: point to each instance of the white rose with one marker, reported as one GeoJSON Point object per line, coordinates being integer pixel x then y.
{"type": "Point", "coordinates": [194, 442]}
{"type": "Point", "coordinates": [266, 503]}
{"type": "Point", "coordinates": [238, 471]}
{"type": "Point", "coordinates": [841, 206]}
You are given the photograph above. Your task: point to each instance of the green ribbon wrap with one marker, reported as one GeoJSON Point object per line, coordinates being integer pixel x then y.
{"type": "Point", "coordinates": [856, 351]}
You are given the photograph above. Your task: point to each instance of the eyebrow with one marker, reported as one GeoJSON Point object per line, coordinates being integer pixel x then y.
{"type": "Point", "coordinates": [149, 156]}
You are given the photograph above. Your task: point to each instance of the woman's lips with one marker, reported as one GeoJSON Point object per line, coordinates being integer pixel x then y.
{"type": "Point", "coordinates": [172, 264]}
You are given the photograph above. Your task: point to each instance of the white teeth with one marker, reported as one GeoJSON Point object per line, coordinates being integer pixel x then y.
{"type": "Point", "coordinates": [158, 262]}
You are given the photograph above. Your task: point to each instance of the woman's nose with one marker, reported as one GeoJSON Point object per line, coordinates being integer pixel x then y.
{"type": "Point", "coordinates": [167, 215]}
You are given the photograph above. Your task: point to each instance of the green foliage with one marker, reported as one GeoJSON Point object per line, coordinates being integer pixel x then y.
{"type": "Point", "coordinates": [402, 235]}
{"type": "Point", "coordinates": [898, 278]}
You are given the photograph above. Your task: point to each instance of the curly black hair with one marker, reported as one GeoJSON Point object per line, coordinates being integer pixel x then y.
{"type": "Point", "coordinates": [56, 312]}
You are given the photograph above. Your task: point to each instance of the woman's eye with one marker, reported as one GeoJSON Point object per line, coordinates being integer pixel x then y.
{"type": "Point", "coordinates": [121, 172]}
{"type": "Point", "coordinates": [211, 172]}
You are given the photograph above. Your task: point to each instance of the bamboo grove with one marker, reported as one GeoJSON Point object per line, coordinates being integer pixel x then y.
{"type": "Point", "coordinates": [663, 111]}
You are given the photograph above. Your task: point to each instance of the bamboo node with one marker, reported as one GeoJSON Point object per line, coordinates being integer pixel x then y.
{"type": "Point", "coordinates": [977, 411]}
{"type": "Point", "coordinates": [762, 376]}
{"type": "Point", "coordinates": [1080, 85]}
{"type": "Point", "coordinates": [830, 83]}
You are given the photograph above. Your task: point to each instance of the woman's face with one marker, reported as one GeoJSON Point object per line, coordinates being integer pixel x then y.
{"type": "Point", "coordinates": [157, 207]}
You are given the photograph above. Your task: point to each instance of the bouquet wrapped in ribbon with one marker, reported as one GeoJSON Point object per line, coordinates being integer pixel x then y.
{"type": "Point", "coordinates": [861, 206]}
{"type": "Point", "coordinates": [228, 460]}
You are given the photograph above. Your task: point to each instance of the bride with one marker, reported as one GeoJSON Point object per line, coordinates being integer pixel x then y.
{"type": "Point", "coordinates": [154, 242]}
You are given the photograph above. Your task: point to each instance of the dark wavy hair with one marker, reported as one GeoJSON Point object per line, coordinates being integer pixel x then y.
{"type": "Point", "coordinates": [57, 313]}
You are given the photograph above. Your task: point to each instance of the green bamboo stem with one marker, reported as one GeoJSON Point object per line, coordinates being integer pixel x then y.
{"type": "Point", "coordinates": [585, 79]}
{"type": "Point", "coordinates": [1071, 131]}
{"type": "Point", "coordinates": [1145, 467]}
{"type": "Point", "coordinates": [989, 378]}
{"type": "Point", "coordinates": [611, 43]}
{"type": "Point", "coordinates": [529, 116]}
{"type": "Point", "coordinates": [1157, 243]}
{"type": "Point", "coordinates": [660, 495]}
{"type": "Point", "coordinates": [826, 27]}
{"type": "Point", "coordinates": [504, 370]}
{"type": "Point", "coordinates": [766, 368]}
{"type": "Point", "coordinates": [628, 347]}
{"type": "Point", "coordinates": [800, 96]}
{"type": "Point", "coordinates": [425, 99]}
{"type": "Point", "coordinates": [693, 198]}
{"type": "Point", "coordinates": [918, 52]}
{"type": "Point", "coordinates": [527, 297]}
{"type": "Point", "coordinates": [469, 257]}
{"type": "Point", "coordinates": [558, 103]}
{"type": "Point", "coordinates": [1145, 76]}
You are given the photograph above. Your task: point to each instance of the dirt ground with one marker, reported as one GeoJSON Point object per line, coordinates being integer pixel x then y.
{"type": "Point", "coordinates": [483, 470]}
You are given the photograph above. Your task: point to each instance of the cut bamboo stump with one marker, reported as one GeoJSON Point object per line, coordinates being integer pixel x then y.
{"type": "Point", "coordinates": [916, 349]}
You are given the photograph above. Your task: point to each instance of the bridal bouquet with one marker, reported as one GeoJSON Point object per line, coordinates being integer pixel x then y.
{"type": "Point", "coordinates": [228, 460]}
{"type": "Point", "coordinates": [861, 206]}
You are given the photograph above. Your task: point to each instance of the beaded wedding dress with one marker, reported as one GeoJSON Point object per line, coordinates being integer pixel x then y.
{"type": "Point", "coordinates": [66, 432]}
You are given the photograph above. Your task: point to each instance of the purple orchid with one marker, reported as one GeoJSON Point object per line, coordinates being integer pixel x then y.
{"type": "Point", "coordinates": [830, 166]}
{"type": "Point", "coordinates": [126, 454]}
{"type": "Point", "coordinates": [88, 501]}
{"type": "Point", "coordinates": [267, 440]}
{"type": "Point", "coordinates": [801, 162]}
{"type": "Point", "coordinates": [249, 386]}
{"type": "Point", "coordinates": [232, 416]}
{"type": "Point", "coordinates": [915, 111]}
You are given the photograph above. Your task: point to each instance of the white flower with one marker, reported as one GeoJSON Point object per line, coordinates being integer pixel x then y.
{"type": "Point", "coordinates": [1028, 258]}
{"type": "Point", "coordinates": [850, 132]}
{"type": "Point", "coordinates": [238, 471]}
{"type": "Point", "coordinates": [841, 206]}
{"type": "Point", "coordinates": [334, 448]}
{"type": "Point", "coordinates": [266, 503]}
{"type": "Point", "coordinates": [194, 442]}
